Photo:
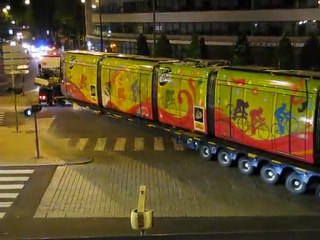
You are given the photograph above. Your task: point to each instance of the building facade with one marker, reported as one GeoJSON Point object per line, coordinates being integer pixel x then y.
{"type": "Point", "coordinates": [218, 21]}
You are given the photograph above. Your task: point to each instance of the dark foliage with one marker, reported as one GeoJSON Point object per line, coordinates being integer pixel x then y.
{"type": "Point", "coordinates": [285, 54]}
{"type": "Point", "coordinates": [204, 53]}
{"type": "Point", "coordinates": [241, 55]}
{"type": "Point", "coordinates": [163, 47]}
{"type": "Point", "coordinates": [193, 50]}
{"type": "Point", "coordinates": [142, 46]}
{"type": "Point", "coordinates": [310, 54]}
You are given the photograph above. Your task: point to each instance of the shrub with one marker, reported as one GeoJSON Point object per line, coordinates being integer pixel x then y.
{"type": "Point", "coordinates": [163, 47]}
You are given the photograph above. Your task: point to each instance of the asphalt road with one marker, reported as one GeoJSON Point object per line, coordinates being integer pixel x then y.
{"type": "Point", "coordinates": [187, 194]}
{"type": "Point", "coordinates": [21, 190]}
{"type": "Point", "coordinates": [194, 187]}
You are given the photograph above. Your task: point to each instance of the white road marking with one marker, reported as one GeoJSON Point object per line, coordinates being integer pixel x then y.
{"type": "Point", "coordinates": [14, 179]}
{"type": "Point", "coordinates": [100, 145]}
{"type": "Point", "coordinates": [1, 118]}
{"type": "Point", "coordinates": [176, 146]}
{"type": "Point", "coordinates": [158, 144]}
{"type": "Point", "coordinates": [5, 204]}
{"type": "Point", "coordinates": [81, 143]}
{"type": "Point", "coordinates": [138, 144]}
{"type": "Point", "coordinates": [7, 184]}
{"type": "Point", "coordinates": [17, 171]}
{"type": "Point", "coordinates": [11, 186]}
{"type": "Point", "coordinates": [9, 195]}
{"type": "Point", "coordinates": [120, 144]}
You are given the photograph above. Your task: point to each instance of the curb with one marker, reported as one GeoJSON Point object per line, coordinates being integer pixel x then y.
{"type": "Point", "coordinates": [11, 109]}
{"type": "Point", "coordinates": [62, 163]}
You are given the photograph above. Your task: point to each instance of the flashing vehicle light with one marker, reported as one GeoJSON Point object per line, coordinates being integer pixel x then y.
{"type": "Point", "coordinates": [28, 112]}
{"type": "Point", "coordinates": [34, 109]}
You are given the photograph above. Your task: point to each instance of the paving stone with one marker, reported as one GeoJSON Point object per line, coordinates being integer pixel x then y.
{"type": "Point", "coordinates": [174, 189]}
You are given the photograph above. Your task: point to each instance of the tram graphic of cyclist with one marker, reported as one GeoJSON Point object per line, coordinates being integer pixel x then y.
{"type": "Point", "coordinates": [239, 114]}
{"type": "Point", "coordinates": [255, 126]}
{"type": "Point", "coordinates": [256, 119]}
{"type": "Point", "coordinates": [240, 109]}
{"type": "Point", "coordinates": [280, 116]}
{"type": "Point", "coordinates": [285, 121]}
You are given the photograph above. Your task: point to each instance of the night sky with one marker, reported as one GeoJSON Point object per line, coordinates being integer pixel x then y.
{"type": "Point", "coordinates": [42, 15]}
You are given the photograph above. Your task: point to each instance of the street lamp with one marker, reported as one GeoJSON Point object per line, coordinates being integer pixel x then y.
{"type": "Point", "coordinates": [154, 25]}
{"type": "Point", "coordinates": [100, 23]}
{"type": "Point", "coordinates": [84, 21]}
{"type": "Point", "coordinates": [6, 9]}
{"type": "Point", "coordinates": [27, 2]}
{"type": "Point", "coordinates": [94, 6]}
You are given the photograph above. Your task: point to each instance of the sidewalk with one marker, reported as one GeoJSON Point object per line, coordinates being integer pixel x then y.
{"type": "Point", "coordinates": [19, 149]}
{"type": "Point", "coordinates": [23, 101]}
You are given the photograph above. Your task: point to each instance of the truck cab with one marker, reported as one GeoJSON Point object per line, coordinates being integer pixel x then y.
{"type": "Point", "coordinates": [48, 80]}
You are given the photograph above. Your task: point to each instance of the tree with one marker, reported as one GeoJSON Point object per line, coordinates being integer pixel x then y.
{"type": "Point", "coordinates": [142, 46]}
{"type": "Point", "coordinates": [163, 47]}
{"type": "Point", "coordinates": [66, 20]}
{"type": "Point", "coordinates": [193, 50]}
{"type": "Point", "coordinates": [204, 53]}
{"type": "Point", "coordinates": [42, 13]}
{"type": "Point", "coordinates": [19, 10]}
{"type": "Point", "coordinates": [310, 54]}
{"type": "Point", "coordinates": [20, 13]}
{"type": "Point", "coordinates": [285, 54]}
{"type": "Point", "coordinates": [241, 54]}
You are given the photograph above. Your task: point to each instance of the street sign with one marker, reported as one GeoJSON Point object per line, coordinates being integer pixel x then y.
{"type": "Point", "coordinates": [14, 60]}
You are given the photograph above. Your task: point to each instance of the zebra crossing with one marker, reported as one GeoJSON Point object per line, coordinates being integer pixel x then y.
{"type": "Point", "coordinates": [12, 181]}
{"type": "Point", "coordinates": [122, 144]}
{"type": "Point", "coordinates": [1, 119]}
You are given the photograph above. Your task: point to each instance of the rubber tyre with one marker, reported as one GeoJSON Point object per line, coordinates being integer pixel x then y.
{"type": "Point", "coordinates": [317, 192]}
{"type": "Point", "coordinates": [62, 102]}
{"type": "Point", "coordinates": [245, 166]}
{"type": "Point", "coordinates": [295, 185]}
{"type": "Point", "coordinates": [205, 152]}
{"type": "Point", "coordinates": [224, 158]}
{"type": "Point", "coordinates": [269, 175]}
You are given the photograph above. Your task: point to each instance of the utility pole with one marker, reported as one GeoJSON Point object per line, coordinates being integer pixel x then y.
{"type": "Point", "coordinates": [100, 22]}
{"type": "Point", "coordinates": [154, 25]}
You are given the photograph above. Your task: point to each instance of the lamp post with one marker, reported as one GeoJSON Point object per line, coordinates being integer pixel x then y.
{"type": "Point", "coordinates": [154, 25]}
{"type": "Point", "coordinates": [94, 6]}
{"type": "Point", "coordinates": [100, 23]}
{"type": "Point", "coordinates": [84, 22]}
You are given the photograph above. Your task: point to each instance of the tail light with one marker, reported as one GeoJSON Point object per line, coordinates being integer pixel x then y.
{"type": "Point", "coordinates": [42, 97]}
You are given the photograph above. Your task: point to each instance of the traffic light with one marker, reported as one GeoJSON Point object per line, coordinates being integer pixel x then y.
{"type": "Point", "coordinates": [34, 109]}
